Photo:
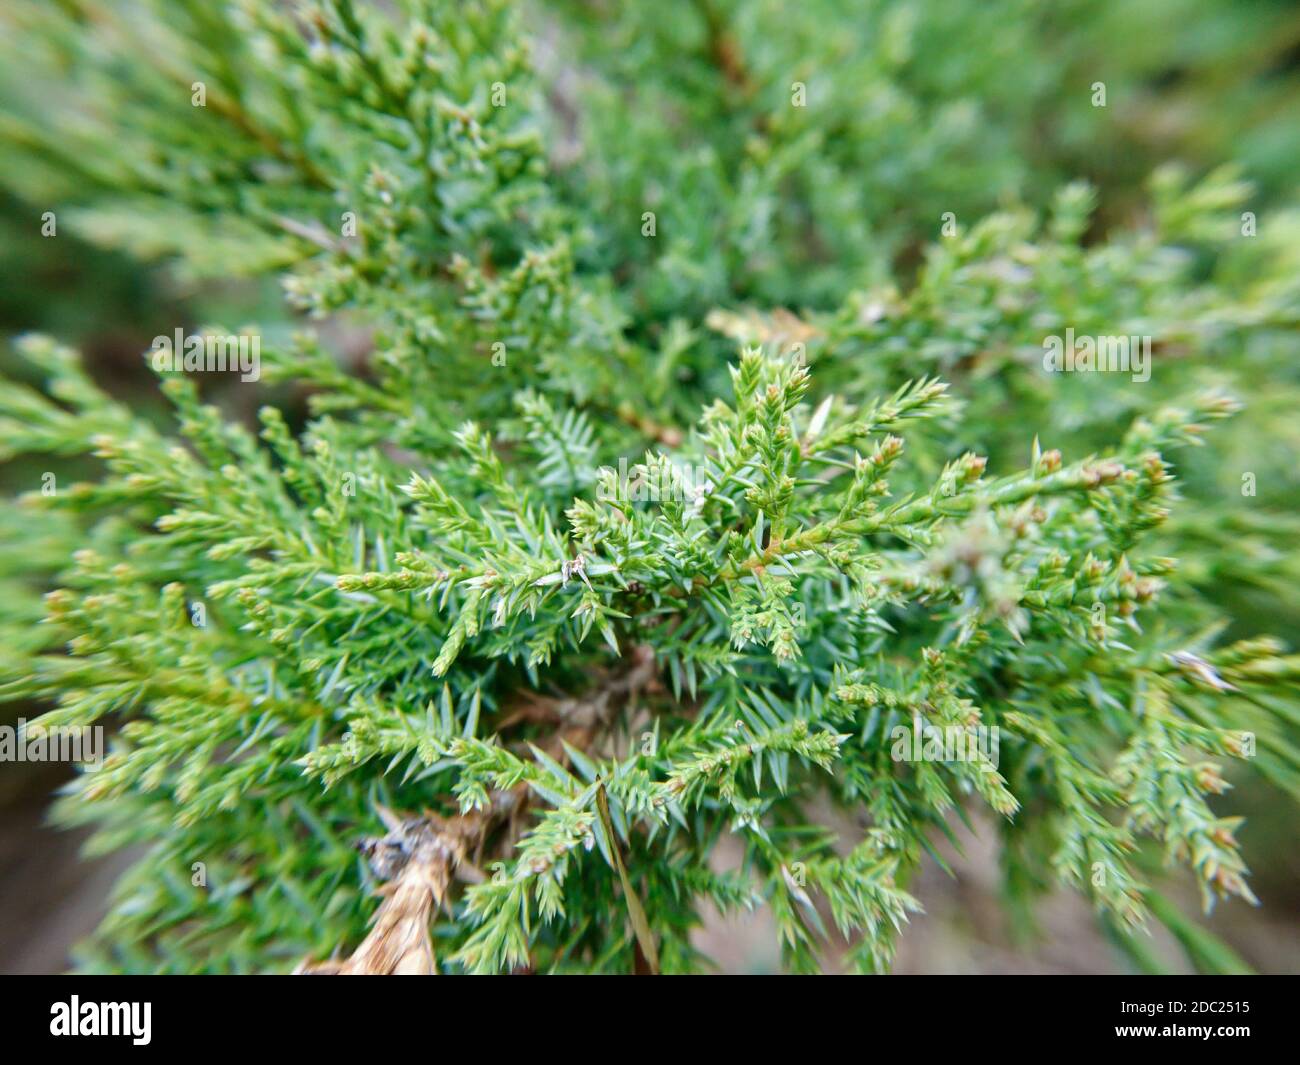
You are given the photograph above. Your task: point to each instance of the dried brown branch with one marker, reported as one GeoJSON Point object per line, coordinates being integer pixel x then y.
{"type": "Point", "coordinates": [581, 721]}
{"type": "Point", "coordinates": [421, 855]}
{"type": "Point", "coordinates": [418, 857]}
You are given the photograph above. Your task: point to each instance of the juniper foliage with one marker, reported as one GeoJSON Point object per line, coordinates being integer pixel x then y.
{"type": "Point", "coordinates": [446, 588]}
